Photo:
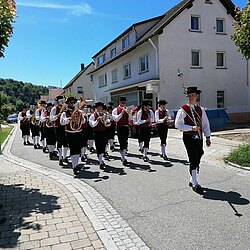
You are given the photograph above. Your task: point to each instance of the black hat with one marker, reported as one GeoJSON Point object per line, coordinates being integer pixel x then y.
{"type": "Point", "coordinates": [97, 104]}
{"type": "Point", "coordinates": [193, 90]}
{"type": "Point", "coordinates": [25, 106]}
{"type": "Point", "coordinates": [89, 106]}
{"type": "Point", "coordinates": [122, 99]}
{"type": "Point", "coordinates": [49, 104]}
{"type": "Point", "coordinates": [146, 102]}
{"type": "Point", "coordinates": [70, 99]}
{"type": "Point", "coordinates": [162, 102]}
{"type": "Point", "coordinates": [59, 97]}
{"type": "Point", "coordinates": [111, 103]}
{"type": "Point", "coordinates": [104, 107]}
{"type": "Point", "coordinates": [32, 103]}
{"type": "Point", "coordinates": [42, 102]}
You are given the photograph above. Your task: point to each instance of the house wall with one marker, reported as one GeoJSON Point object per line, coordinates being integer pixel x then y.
{"type": "Point", "coordinates": [175, 45]}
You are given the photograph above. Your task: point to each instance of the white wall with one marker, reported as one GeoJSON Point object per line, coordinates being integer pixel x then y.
{"type": "Point", "coordinates": [175, 46]}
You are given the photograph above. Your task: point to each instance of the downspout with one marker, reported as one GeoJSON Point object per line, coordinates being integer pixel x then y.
{"type": "Point", "coordinates": [156, 65]}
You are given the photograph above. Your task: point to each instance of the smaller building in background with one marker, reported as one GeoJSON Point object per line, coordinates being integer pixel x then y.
{"type": "Point", "coordinates": [53, 93]}
{"type": "Point", "coordinates": [81, 85]}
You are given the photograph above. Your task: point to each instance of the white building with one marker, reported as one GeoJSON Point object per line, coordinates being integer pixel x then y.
{"type": "Point", "coordinates": [194, 37]}
{"type": "Point", "coordinates": [81, 85]}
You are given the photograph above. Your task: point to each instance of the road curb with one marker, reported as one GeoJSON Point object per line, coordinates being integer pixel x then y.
{"type": "Point", "coordinates": [237, 166]}
{"type": "Point", "coordinates": [113, 231]}
{"type": "Point", "coordinates": [6, 140]}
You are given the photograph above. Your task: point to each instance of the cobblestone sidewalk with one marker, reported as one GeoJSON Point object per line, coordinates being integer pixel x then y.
{"type": "Point", "coordinates": [41, 213]}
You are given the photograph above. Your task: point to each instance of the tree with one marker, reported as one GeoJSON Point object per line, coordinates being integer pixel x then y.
{"type": "Point", "coordinates": [7, 15]}
{"type": "Point", "coordinates": [241, 26]}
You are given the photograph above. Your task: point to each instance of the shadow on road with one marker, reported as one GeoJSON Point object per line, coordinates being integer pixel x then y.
{"type": "Point", "coordinates": [230, 197]}
{"type": "Point", "coordinates": [19, 203]}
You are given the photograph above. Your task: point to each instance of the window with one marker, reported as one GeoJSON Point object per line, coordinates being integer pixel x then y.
{"type": "Point", "coordinates": [208, 1]}
{"type": "Point", "coordinates": [195, 58]}
{"type": "Point", "coordinates": [114, 75]}
{"type": "Point", "coordinates": [125, 42]}
{"type": "Point", "coordinates": [127, 70]}
{"type": "Point", "coordinates": [101, 59]}
{"type": "Point", "coordinates": [195, 23]}
{"type": "Point", "coordinates": [112, 52]}
{"type": "Point", "coordinates": [79, 90]}
{"type": "Point", "coordinates": [220, 99]}
{"type": "Point", "coordinates": [143, 63]}
{"type": "Point", "coordinates": [220, 59]}
{"type": "Point", "coordinates": [220, 25]}
{"type": "Point", "coordinates": [102, 80]}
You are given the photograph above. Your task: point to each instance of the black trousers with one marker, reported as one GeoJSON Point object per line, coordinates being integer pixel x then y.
{"type": "Point", "coordinates": [43, 136]}
{"type": "Point", "coordinates": [61, 137]}
{"type": "Point", "coordinates": [100, 138]}
{"type": "Point", "coordinates": [89, 133]}
{"type": "Point", "coordinates": [35, 130]}
{"type": "Point", "coordinates": [163, 133]}
{"type": "Point", "coordinates": [84, 136]}
{"type": "Point", "coordinates": [122, 133]}
{"type": "Point", "coordinates": [25, 129]}
{"type": "Point", "coordinates": [50, 136]}
{"type": "Point", "coordinates": [111, 131]}
{"type": "Point", "coordinates": [145, 134]}
{"type": "Point", "coordinates": [195, 151]}
{"type": "Point", "coordinates": [75, 142]}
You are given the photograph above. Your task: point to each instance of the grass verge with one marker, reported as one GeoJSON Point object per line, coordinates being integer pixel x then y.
{"type": "Point", "coordinates": [240, 155]}
{"type": "Point", "coordinates": [4, 134]}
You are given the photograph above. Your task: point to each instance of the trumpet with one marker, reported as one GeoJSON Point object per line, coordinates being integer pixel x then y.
{"type": "Point", "coordinates": [106, 120]}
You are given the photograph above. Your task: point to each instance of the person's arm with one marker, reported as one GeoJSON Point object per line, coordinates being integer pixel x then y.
{"type": "Point", "coordinates": [179, 121]}
{"type": "Point", "coordinates": [92, 122]}
{"type": "Point", "coordinates": [152, 116]}
{"type": "Point", "coordinates": [20, 118]}
{"type": "Point", "coordinates": [28, 114]}
{"type": "Point", "coordinates": [139, 120]}
{"type": "Point", "coordinates": [115, 116]}
{"type": "Point", "coordinates": [64, 120]}
{"type": "Point", "coordinates": [53, 117]}
{"type": "Point", "coordinates": [206, 127]}
{"type": "Point", "coordinates": [157, 118]}
{"type": "Point", "coordinates": [43, 117]}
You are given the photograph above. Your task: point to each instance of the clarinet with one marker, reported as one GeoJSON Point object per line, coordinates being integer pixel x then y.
{"type": "Point", "coordinates": [195, 123]}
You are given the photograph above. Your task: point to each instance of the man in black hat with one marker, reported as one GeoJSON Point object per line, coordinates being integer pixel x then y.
{"type": "Point", "coordinates": [24, 125]}
{"type": "Point", "coordinates": [89, 130]}
{"type": "Point", "coordinates": [38, 113]}
{"type": "Point", "coordinates": [49, 131]}
{"type": "Point", "coordinates": [73, 135]}
{"type": "Point", "coordinates": [162, 118]}
{"type": "Point", "coordinates": [62, 144]}
{"type": "Point", "coordinates": [100, 132]}
{"type": "Point", "coordinates": [121, 117]}
{"type": "Point", "coordinates": [34, 126]}
{"type": "Point", "coordinates": [145, 118]}
{"type": "Point", "coordinates": [193, 121]}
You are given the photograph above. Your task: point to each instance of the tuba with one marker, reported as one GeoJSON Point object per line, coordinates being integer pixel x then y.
{"type": "Point", "coordinates": [76, 120]}
{"type": "Point", "coordinates": [49, 123]}
{"type": "Point", "coordinates": [34, 121]}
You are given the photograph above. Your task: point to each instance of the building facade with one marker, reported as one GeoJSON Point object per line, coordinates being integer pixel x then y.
{"type": "Point", "coordinates": [193, 38]}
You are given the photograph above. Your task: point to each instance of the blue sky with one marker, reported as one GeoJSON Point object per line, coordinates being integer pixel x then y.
{"type": "Point", "coordinates": [53, 37]}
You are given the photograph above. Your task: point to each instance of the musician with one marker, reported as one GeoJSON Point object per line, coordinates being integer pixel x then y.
{"type": "Point", "coordinates": [121, 117]}
{"type": "Point", "coordinates": [38, 113]}
{"type": "Point", "coordinates": [193, 121]}
{"type": "Point", "coordinates": [62, 144]}
{"type": "Point", "coordinates": [34, 127]}
{"type": "Point", "coordinates": [162, 118]}
{"type": "Point", "coordinates": [100, 132]}
{"type": "Point", "coordinates": [106, 114]}
{"type": "Point", "coordinates": [24, 125]}
{"type": "Point", "coordinates": [89, 130]}
{"type": "Point", "coordinates": [111, 128]}
{"type": "Point", "coordinates": [49, 131]}
{"type": "Point", "coordinates": [137, 127]}
{"type": "Point", "coordinates": [145, 118]}
{"type": "Point", "coordinates": [70, 118]}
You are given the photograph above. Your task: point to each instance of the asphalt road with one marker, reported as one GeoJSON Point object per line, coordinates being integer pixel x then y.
{"type": "Point", "coordinates": [154, 198]}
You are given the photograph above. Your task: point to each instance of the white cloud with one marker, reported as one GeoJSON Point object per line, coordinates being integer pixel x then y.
{"type": "Point", "coordinates": [74, 9]}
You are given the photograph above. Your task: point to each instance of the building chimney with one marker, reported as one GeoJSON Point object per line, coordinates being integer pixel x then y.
{"type": "Point", "coordinates": [82, 66]}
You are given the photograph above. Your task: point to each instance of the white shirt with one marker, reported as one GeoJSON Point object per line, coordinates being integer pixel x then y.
{"type": "Point", "coordinates": [38, 113]}
{"type": "Point", "coordinates": [20, 117]}
{"type": "Point", "coordinates": [180, 123]}
{"type": "Point", "coordinates": [53, 117]}
{"type": "Point", "coordinates": [92, 122]}
{"type": "Point", "coordinates": [140, 121]}
{"type": "Point", "coordinates": [158, 120]}
{"type": "Point", "coordinates": [115, 116]}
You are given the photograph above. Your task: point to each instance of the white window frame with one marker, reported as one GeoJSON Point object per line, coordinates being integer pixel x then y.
{"type": "Point", "coordinates": [224, 59]}
{"type": "Point", "coordinates": [101, 59]}
{"type": "Point", "coordinates": [124, 70]}
{"type": "Point", "coordinates": [224, 98]}
{"type": "Point", "coordinates": [102, 80]}
{"type": "Point", "coordinates": [112, 49]}
{"type": "Point", "coordinates": [224, 25]}
{"type": "Point", "coordinates": [199, 22]}
{"type": "Point", "coordinates": [125, 45]}
{"type": "Point", "coordinates": [146, 63]}
{"type": "Point", "coordinates": [195, 51]}
{"type": "Point", "coordinates": [79, 90]}
{"type": "Point", "coordinates": [114, 79]}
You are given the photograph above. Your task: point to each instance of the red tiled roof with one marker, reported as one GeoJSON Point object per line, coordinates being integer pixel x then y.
{"type": "Point", "coordinates": [53, 93]}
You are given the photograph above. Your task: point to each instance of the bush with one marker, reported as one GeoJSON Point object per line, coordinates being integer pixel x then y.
{"type": "Point", "coordinates": [240, 156]}
{"type": "Point", "coordinates": [4, 134]}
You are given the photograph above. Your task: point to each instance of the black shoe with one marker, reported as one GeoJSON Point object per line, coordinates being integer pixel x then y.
{"type": "Point", "coordinates": [84, 158]}
{"type": "Point", "coordinates": [112, 148]}
{"type": "Point", "coordinates": [61, 162]}
{"type": "Point", "coordinates": [66, 160]}
{"type": "Point", "coordinates": [145, 158]}
{"type": "Point", "coordinates": [45, 150]}
{"type": "Point", "coordinates": [141, 150]}
{"type": "Point", "coordinates": [125, 163]}
{"type": "Point", "coordinates": [165, 158]}
{"type": "Point", "coordinates": [92, 150]}
{"type": "Point", "coordinates": [190, 184]}
{"type": "Point", "coordinates": [198, 189]}
{"type": "Point", "coordinates": [25, 143]}
{"type": "Point", "coordinates": [106, 154]}
{"type": "Point", "coordinates": [38, 145]}
{"type": "Point", "coordinates": [55, 153]}
{"type": "Point", "coordinates": [2, 220]}
{"type": "Point", "coordinates": [35, 146]}
{"type": "Point", "coordinates": [102, 166]}
{"type": "Point", "coordinates": [28, 143]}
{"type": "Point", "coordinates": [51, 156]}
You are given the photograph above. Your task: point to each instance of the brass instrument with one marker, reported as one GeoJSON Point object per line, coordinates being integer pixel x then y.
{"type": "Point", "coordinates": [34, 121]}
{"type": "Point", "coordinates": [106, 120]}
{"type": "Point", "coordinates": [76, 120]}
{"type": "Point", "coordinates": [49, 123]}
